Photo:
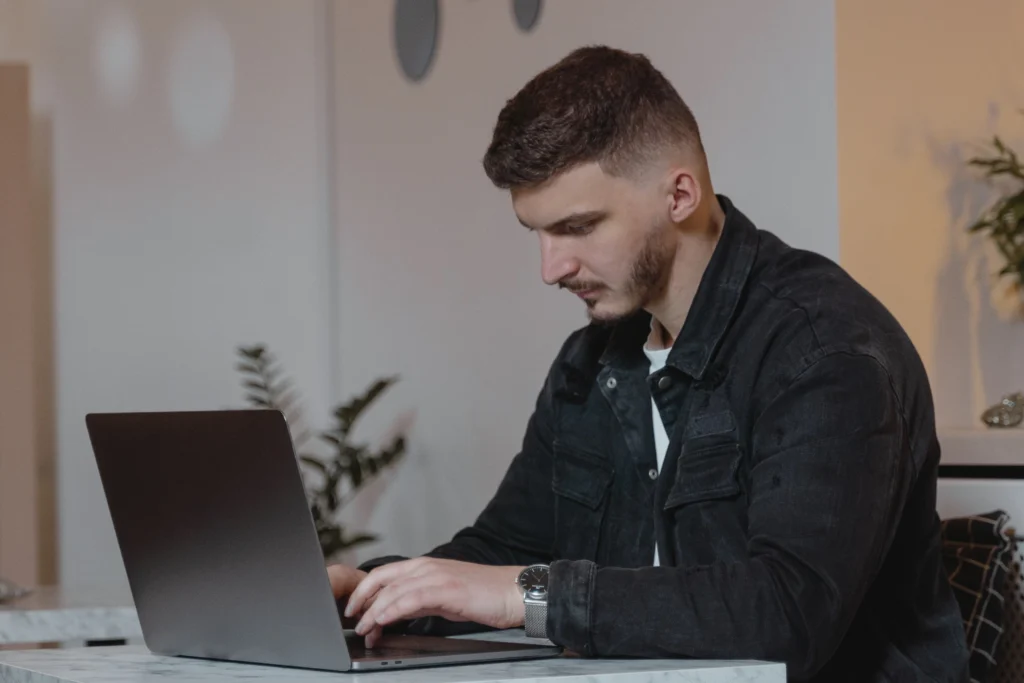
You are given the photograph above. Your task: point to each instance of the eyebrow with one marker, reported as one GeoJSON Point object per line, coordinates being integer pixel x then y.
{"type": "Point", "coordinates": [577, 217]}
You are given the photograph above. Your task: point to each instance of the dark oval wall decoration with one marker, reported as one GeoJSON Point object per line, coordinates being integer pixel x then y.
{"type": "Point", "coordinates": [527, 13]}
{"type": "Point", "coordinates": [416, 28]}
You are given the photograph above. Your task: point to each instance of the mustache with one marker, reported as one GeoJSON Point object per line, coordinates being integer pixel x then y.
{"type": "Point", "coordinates": [576, 286]}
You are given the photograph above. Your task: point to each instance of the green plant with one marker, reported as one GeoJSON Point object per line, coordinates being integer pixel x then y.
{"type": "Point", "coordinates": [1004, 219]}
{"type": "Point", "coordinates": [350, 467]}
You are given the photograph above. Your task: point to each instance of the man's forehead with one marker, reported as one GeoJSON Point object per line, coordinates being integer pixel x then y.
{"type": "Point", "coordinates": [576, 192]}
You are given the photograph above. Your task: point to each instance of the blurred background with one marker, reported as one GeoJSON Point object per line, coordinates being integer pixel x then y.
{"type": "Point", "coordinates": [181, 179]}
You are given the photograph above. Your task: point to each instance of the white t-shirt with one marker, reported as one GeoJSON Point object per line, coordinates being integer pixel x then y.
{"type": "Point", "coordinates": [657, 358]}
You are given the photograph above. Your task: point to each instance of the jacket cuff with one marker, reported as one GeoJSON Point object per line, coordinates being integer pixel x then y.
{"type": "Point", "coordinates": [370, 565]}
{"type": "Point", "coordinates": [570, 591]}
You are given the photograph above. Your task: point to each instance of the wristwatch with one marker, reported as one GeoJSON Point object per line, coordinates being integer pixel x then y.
{"type": "Point", "coordinates": [533, 582]}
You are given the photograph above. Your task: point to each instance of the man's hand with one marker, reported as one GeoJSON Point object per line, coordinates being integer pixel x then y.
{"type": "Point", "coordinates": [343, 582]}
{"type": "Point", "coordinates": [457, 591]}
{"type": "Point", "coordinates": [344, 579]}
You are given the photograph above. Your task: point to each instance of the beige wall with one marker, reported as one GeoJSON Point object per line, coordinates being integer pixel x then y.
{"type": "Point", "coordinates": [19, 556]}
{"type": "Point", "coordinates": [22, 41]}
{"type": "Point", "coordinates": [921, 86]}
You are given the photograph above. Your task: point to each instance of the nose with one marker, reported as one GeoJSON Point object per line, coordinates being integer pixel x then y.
{"type": "Point", "coordinates": [556, 261]}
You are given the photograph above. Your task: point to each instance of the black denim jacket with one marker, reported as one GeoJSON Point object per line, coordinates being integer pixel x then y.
{"type": "Point", "coordinates": [795, 511]}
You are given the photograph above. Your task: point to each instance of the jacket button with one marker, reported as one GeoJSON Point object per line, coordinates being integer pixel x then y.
{"type": "Point", "coordinates": [652, 473]}
{"type": "Point", "coordinates": [611, 383]}
{"type": "Point", "coordinates": [665, 382]}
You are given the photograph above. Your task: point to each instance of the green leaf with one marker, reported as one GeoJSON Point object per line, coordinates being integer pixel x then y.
{"type": "Point", "coordinates": [255, 384]}
{"type": "Point", "coordinates": [247, 368]}
{"type": "Point", "coordinates": [330, 438]}
{"type": "Point", "coordinates": [314, 462]}
{"type": "Point", "coordinates": [348, 413]}
{"type": "Point", "coordinates": [357, 540]}
{"type": "Point", "coordinates": [394, 452]}
{"type": "Point", "coordinates": [330, 540]}
{"type": "Point", "coordinates": [253, 352]}
{"type": "Point", "coordinates": [355, 472]}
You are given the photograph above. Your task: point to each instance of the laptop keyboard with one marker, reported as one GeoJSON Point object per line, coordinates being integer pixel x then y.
{"type": "Point", "coordinates": [357, 650]}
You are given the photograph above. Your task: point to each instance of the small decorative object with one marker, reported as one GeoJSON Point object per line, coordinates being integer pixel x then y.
{"type": "Point", "coordinates": [11, 591]}
{"type": "Point", "coordinates": [1004, 224]}
{"type": "Point", "coordinates": [1009, 412]}
{"type": "Point", "coordinates": [526, 12]}
{"type": "Point", "coordinates": [416, 25]}
{"type": "Point", "coordinates": [352, 465]}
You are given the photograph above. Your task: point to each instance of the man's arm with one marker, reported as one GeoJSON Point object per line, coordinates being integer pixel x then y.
{"type": "Point", "coordinates": [516, 527]}
{"type": "Point", "coordinates": [829, 480]}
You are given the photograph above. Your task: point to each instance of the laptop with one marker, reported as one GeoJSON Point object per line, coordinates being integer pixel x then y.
{"type": "Point", "coordinates": [221, 552]}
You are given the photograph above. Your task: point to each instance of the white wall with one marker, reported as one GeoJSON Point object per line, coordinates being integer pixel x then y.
{"type": "Point", "coordinates": [439, 282]}
{"type": "Point", "coordinates": [190, 217]}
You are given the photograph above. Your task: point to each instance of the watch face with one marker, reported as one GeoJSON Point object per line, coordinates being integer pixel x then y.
{"type": "Point", "coordinates": [534, 580]}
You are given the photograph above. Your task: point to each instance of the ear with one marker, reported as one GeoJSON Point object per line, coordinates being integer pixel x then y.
{"type": "Point", "coordinates": [684, 194]}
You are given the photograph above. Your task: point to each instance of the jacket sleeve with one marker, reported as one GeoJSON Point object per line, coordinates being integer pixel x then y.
{"type": "Point", "coordinates": [817, 445]}
{"type": "Point", "coordinates": [517, 525]}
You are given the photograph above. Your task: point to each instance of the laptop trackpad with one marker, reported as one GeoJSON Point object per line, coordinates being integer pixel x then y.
{"type": "Point", "coordinates": [393, 646]}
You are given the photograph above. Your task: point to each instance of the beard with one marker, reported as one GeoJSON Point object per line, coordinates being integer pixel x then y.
{"type": "Point", "coordinates": [648, 276]}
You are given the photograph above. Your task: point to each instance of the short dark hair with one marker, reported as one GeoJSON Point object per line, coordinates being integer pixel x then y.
{"type": "Point", "coordinates": [596, 104]}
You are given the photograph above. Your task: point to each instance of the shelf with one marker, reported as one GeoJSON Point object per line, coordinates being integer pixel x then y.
{"type": "Point", "coordinates": [982, 445]}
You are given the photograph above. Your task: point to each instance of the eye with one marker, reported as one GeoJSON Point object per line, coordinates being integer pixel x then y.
{"type": "Point", "coordinates": [580, 228]}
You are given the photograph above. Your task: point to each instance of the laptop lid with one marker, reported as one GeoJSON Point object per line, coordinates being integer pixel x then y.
{"type": "Point", "coordinates": [217, 540]}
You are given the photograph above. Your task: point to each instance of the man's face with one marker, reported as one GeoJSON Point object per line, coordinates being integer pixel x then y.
{"type": "Point", "coordinates": [609, 240]}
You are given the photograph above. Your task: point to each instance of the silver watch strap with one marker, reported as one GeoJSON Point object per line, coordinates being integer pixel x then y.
{"type": "Point", "coordinates": [536, 618]}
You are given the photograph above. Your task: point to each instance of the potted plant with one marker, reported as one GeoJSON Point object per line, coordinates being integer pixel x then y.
{"type": "Point", "coordinates": [336, 479]}
{"type": "Point", "coordinates": [1003, 222]}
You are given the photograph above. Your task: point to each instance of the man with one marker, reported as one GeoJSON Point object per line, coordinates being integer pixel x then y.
{"type": "Point", "coordinates": [736, 459]}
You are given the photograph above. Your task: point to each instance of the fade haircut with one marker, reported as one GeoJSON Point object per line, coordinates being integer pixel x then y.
{"type": "Point", "coordinates": [598, 104]}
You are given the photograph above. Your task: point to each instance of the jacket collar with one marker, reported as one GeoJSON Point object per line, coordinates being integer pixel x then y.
{"type": "Point", "coordinates": [714, 306]}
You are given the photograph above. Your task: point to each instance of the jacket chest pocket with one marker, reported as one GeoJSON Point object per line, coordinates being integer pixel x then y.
{"type": "Point", "coordinates": [704, 508]}
{"type": "Point", "coordinates": [706, 474]}
{"type": "Point", "coordinates": [580, 482]}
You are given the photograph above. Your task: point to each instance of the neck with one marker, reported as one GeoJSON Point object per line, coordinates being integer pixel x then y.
{"type": "Point", "coordinates": [700, 234]}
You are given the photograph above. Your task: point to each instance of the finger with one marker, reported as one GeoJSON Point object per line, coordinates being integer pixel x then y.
{"type": "Point", "coordinates": [370, 608]}
{"type": "Point", "coordinates": [375, 580]}
{"type": "Point", "coordinates": [373, 637]}
{"type": "Point", "coordinates": [353, 621]}
{"type": "Point", "coordinates": [430, 594]}
{"type": "Point", "coordinates": [367, 588]}
{"type": "Point", "coordinates": [385, 597]}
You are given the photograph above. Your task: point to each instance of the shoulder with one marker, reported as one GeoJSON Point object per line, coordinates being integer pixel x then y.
{"type": "Point", "coordinates": [810, 304]}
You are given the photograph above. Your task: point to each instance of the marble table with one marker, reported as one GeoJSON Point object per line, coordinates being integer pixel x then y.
{"type": "Point", "coordinates": [50, 614]}
{"type": "Point", "coordinates": [135, 664]}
